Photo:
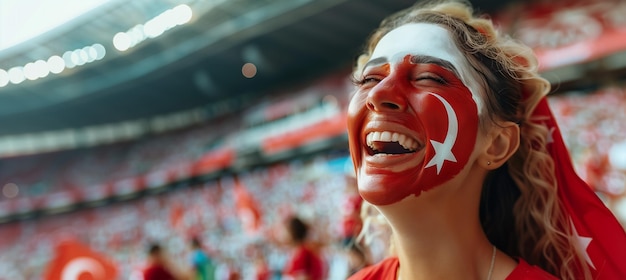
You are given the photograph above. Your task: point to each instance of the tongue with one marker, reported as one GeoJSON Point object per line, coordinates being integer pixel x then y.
{"type": "Point", "coordinates": [389, 148]}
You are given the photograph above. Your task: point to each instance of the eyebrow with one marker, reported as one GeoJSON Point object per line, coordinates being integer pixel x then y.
{"type": "Point", "coordinates": [426, 59]}
{"type": "Point", "coordinates": [417, 59]}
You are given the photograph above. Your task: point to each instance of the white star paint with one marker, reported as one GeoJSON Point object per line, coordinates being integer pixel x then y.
{"type": "Point", "coordinates": [583, 244]}
{"type": "Point", "coordinates": [443, 151]}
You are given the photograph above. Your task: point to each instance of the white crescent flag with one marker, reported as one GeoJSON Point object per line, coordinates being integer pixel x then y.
{"type": "Point", "coordinates": [76, 267]}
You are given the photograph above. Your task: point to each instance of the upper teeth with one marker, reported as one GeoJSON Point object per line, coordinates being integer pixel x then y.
{"type": "Point", "coordinates": [387, 136]}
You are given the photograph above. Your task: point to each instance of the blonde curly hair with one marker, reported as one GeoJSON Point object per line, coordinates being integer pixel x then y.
{"type": "Point", "coordinates": [519, 208]}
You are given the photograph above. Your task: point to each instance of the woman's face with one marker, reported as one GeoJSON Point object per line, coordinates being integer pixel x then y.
{"type": "Point", "coordinates": [414, 119]}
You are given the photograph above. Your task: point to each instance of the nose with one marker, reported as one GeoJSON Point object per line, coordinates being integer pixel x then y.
{"type": "Point", "coordinates": [386, 96]}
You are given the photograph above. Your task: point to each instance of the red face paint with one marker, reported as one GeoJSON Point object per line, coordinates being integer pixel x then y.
{"type": "Point", "coordinates": [424, 102]}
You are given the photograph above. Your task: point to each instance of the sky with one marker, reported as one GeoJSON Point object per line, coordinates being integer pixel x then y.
{"type": "Point", "coordinates": [21, 20]}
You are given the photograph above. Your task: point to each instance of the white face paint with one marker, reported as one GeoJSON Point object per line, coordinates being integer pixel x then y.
{"type": "Point", "coordinates": [432, 40]}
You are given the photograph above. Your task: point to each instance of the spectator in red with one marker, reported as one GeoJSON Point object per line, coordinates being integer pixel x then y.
{"type": "Point", "coordinates": [261, 267]}
{"type": "Point", "coordinates": [305, 263]}
{"type": "Point", "coordinates": [158, 267]}
{"type": "Point", "coordinates": [262, 270]}
{"type": "Point", "coordinates": [351, 222]}
{"type": "Point", "coordinates": [233, 270]}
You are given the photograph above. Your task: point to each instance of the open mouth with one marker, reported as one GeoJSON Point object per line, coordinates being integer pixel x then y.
{"type": "Point", "coordinates": [391, 143]}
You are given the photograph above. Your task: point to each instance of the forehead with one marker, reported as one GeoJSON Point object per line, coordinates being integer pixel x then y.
{"type": "Point", "coordinates": [419, 39]}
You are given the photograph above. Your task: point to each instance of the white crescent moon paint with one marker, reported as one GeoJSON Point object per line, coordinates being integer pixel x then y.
{"type": "Point", "coordinates": [443, 151]}
{"type": "Point", "coordinates": [78, 266]}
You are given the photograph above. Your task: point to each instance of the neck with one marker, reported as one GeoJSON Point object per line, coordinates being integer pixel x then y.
{"type": "Point", "coordinates": [431, 252]}
{"type": "Point", "coordinates": [444, 261]}
{"type": "Point", "coordinates": [442, 237]}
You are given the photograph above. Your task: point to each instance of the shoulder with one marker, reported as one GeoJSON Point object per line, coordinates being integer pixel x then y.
{"type": "Point", "coordinates": [386, 269]}
{"type": "Point", "coordinates": [307, 251]}
{"type": "Point", "coordinates": [301, 253]}
{"type": "Point", "coordinates": [525, 271]}
{"type": "Point", "coordinates": [300, 258]}
{"type": "Point", "coordinates": [156, 271]}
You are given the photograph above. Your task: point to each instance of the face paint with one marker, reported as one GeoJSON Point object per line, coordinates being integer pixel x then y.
{"type": "Point", "coordinates": [413, 122]}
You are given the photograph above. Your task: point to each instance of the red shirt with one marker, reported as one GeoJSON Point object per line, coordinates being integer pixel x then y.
{"type": "Point", "coordinates": [305, 262]}
{"type": "Point", "coordinates": [386, 270]}
{"type": "Point", "coordinates": [157, 272]}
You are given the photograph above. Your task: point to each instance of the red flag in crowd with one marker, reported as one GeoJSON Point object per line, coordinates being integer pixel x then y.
{"type": "Point", "coordinates": [600, 237]}
{"type": "Point", "coordinates": [176, 214]}
{"type": "Point", "coordinates": [75, 261]}
{"type": "Point", "coordinates": [247, 208]}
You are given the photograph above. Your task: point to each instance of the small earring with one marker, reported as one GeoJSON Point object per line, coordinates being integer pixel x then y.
{"type": "Point", "coordinates": [488, 162]}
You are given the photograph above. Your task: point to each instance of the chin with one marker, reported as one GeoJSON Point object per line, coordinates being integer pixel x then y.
{"type": "Point", "coordinates": [384, 189]}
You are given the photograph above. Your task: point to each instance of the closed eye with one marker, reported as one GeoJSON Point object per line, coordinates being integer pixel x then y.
{"type": "Point", "coordinates": [367, 80]}
{"type": "Point", "coordinates": [432, 78]}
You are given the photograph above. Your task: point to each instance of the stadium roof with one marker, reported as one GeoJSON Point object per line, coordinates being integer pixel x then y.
{"type": "Point", "coordinates": [183, 64]}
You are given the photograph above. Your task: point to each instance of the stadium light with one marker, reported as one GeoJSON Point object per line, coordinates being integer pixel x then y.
{"type": "Point", "coordinates": [153, 28]}
{"type": "Point", "coordinates": [41, 69]}
{"type": "Point", "coordinates": [16, 75]}
{"type": "Point", "coordinates": [67, 59]}
{"type": "Point", "coordinates": [121, 41]}
{"type": "Point", "coordinates": [54, 64]}
{"type": "Point", "coordinates": [100, 51]}
{"type": "Point", "coordinates": [182, 14]}
{"type": "Point", "coordinates": [30, 72]}
{"type": "Point", "coordinates": [84, 56]}
{"type": "Point", "coordinates": [91, 53]}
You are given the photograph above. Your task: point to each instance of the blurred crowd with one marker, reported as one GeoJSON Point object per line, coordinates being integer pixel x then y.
{"type": "Point", "coordinates": [317, 191]}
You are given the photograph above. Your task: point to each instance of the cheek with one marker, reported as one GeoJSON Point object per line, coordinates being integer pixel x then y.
{"type": "Point", "coordinates": [450, 121]}
{"type": "Point", "coordinates": [356, 116]}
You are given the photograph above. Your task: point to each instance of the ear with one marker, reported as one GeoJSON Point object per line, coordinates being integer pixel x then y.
{"type": "Point", "coordinates": [503, 142]}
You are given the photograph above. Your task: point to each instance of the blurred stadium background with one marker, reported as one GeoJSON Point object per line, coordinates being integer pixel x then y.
{"type": "Point", "coordinates": [125, 122]}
